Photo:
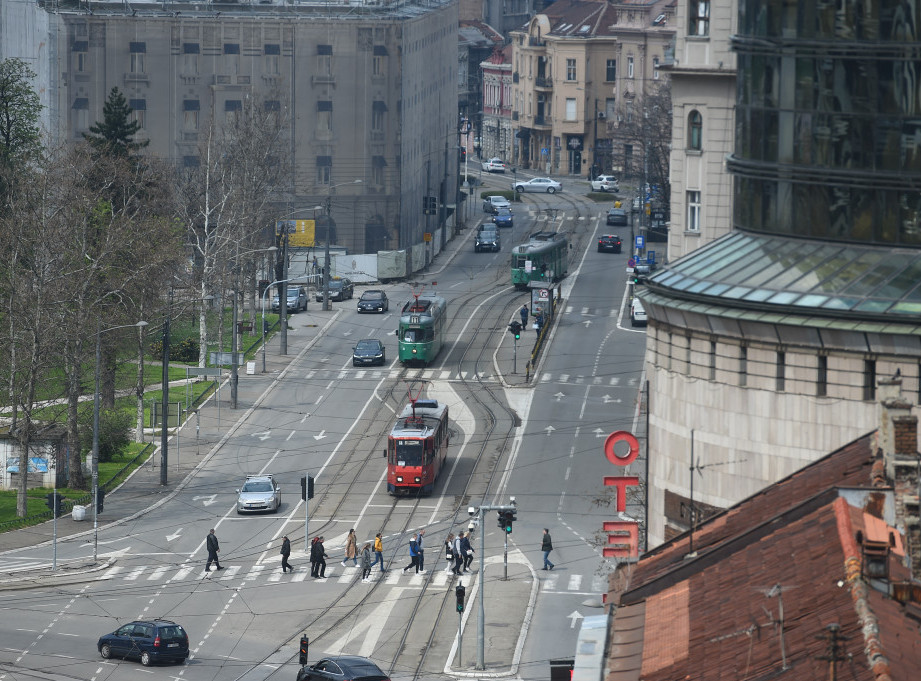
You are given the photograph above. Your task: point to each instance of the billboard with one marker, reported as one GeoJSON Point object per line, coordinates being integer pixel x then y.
{"type": "Point", "coordinates": [301, 233]}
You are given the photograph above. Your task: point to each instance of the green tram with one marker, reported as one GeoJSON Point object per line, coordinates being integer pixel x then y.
{"type": "Point", "coordinates": [422, 329]}
{"type": "Point", "coordinates": [548, 255]}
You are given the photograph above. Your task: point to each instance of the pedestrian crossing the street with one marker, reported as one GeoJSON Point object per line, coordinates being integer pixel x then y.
{"type": "Point", "coordinates": [272, 574]}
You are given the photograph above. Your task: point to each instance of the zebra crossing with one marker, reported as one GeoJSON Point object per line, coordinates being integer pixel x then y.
{"type": "Point", "coordinates": [271, 574]}
{"type": "Point", "coordinates": [579, 379]}
{"type": "Point", "coordinates": [377, 374]}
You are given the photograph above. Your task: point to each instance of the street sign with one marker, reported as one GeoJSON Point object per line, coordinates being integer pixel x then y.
{"type": "Point", "coordinates": [650, 257]}
{"type": "Point", "coordinates": [427, 236]}
{"type": "Point", "coordinates": [640, 241]}
{"type": "Point", "coordinates": [631, 261]}
{"type": "Point", "coordinates": [545, 151]}
{"type": "Point", "coordinates": [222, 358]}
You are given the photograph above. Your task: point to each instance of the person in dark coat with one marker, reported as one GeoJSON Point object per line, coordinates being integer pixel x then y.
{"type": "Point", "coordinates": [321, 560]}
{"type": "Point", "coordinates": [524, 315]}
{"type": "Point", "coordinates": [214, 548]}
{"type": "Point", "coordinates": [420, 552]}
{"type": "Point", "coordinates": [366, 562]}
{"type": "Point", "coordinates": [313, 556]}
{"type": "Point", "coordinates": [285, 552]}
{"type": "Point", "coordinates": [458, 553]}
{"type": "Point", "coordinates": [546, 545]}
{"type": "Point", "coordinates": [467, 550]}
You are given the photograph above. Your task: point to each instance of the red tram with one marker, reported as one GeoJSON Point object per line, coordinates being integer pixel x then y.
{"type": "Point", "coordinates": [417, 447]}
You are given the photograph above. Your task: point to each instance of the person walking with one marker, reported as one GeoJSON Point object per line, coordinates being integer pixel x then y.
{"type": "Point", "coordinates": [321, 560]}
{"type": "Point", "coordinates": [524, 315]}
{"type": "Point", "coordinates": [214, 548]}
{"type": "Point", "coordinates": [351, 548]}
{"type": "Point", "coordinates": [458, 553]}
{"type": "Point", "coordinates": [467, 550]}
{"type": "Point", "coordinates": [366, 562]}
{"type": "Point", "coordinates": [413, 554]}
{"type": "Point", "coordinates": [313, 556]}
{"type": "Point", "coordinates": [285, 552]}
{"type": "Point", "coordinates": [449, 551]}
{"type": "Point", "coordinates": [538, 322]}
{"type": "Point", "coordinates": [378, 551]}
{"type": "Point", "coordinates": [420, 551]}
{"type": "Point", "coordinates": [546, 545]}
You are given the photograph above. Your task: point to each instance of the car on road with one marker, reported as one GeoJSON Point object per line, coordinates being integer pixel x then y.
{"type": "Point", "coordinates": [342, 668]}
{"type": "Point", "coordinates": [487, 239]}
{"type": "Point", "coordinates": [491, 204]}
{"type": "Point", "coordinates": [494, 165]}
{"type": "Point", "coordinates": [297, 299]}
{"type": "Point", "coordinates": [617, 217]}
{"type": "Point", "coordinates": [340, 288]}
{"type": "Point", "coordinates": [605, 183]}
{"type": "Point", "coordinates": [373, 300]}
{"type": "Point", "coordinates": [539, 184]}
{"type": "Point", "coordinates": [609, 243]}
{"type": "Point", "coordinates": [368, 352]}
{"type": "Point", "coordinates": [637, 313]}
{"type": "Point", "coordinates": [503, 218]}
{"type": "Point", "coordinates": [259, 493]}
{"type": "Point", "coordinates": [149, 641]}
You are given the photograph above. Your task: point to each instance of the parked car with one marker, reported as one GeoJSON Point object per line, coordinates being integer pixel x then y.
{"type": "Point", "coordinates": [342, 668]}
{"type": "Point", "coordinates": [259, 493]}
{"type": "Point", "coordinates": [609, 243]}
{"type": "Point", "coordinates": [487, 240]}
{"type": "Point", "coordinates": [494, 165]}
{"type": "Point", "coordinates": [369, 351]}
{"type": "Point", "coordinates": [503, 218]}
{"type": "Point", "coordinates": [539, 184]}
{"type": "Point", "coordinates": [491, 204]}
{"type": "Point", "coordinates": [373, 300]}
{"type": "Point", "coordinates": [340, 288]}
{"type": "Point", "coordinates": [605, 183]}
{"type": "Point", "coordinates": [617, 217]}
{"type": "Point", "coordinates": [637, 313]}
{"type": "Point", "coordinates": [297, 299]}
{"type": "Point", "coordinates": [149, 641]}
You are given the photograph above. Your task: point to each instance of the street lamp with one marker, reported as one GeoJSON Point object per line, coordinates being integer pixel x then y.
{"type": "Point", "coordinates": [234, 373]}
{"type": "Point", "coordinates": [329, 208]}
{"type": "Point", "coordinates": [95, 455]}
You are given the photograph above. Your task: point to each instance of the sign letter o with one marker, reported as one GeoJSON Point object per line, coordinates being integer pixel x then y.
{"type": "Point", "coordinates": [621, 436]}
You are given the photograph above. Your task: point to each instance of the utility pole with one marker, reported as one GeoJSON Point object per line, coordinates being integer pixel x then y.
{"type": "Point", "coordinates": [328, 209]}
{"type": "Point", "coordinates": [164, 387]}
{"type": "Point", "coordinates": [283, 293]}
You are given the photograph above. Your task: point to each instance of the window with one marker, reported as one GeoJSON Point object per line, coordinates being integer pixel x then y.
{"type": "Point", "coordinates": [377, 60]}
{"type": "Point", "coordinates": [570, 108]}
{"type": "Point", "coordinates": [272, 54]}
{"type": "Point", "coordinates": [781, 371]}
{"type": "Point", "coordinates": [821, 379]}
{"type": "Point", "coordinates": [630, 66]}
{"type": "Point", "coordinates": [232, 107]}
{"type": "Point", "coordinates": [378, 109]}
{"type": "Point", "coordinates": [138, 52]}
{"type": "Point", "coordinates": [139, 111]}
{"type": "Point", "coordinates": [190, 109]}
{"type": "Point", "coordinates": [190, 52]}
{"type": "Point", "coordinates": [610, 108]}
{"type": "Point", "coordinates": [190, 162]}
{"type": "Point", "coordinates": [324, 169]}
{"type": "Point", "coordinates": [324, 116]}
{"type": "Point", "coordinates": [610, 70]}
{"type": "Point", "coordinates": [570, 69]}
{"type": "Point", "coordinates": [693, 224]}
{"type": "Point", "coordinates": [713, 360]}
{"type": "Point", "coordinates": [695, 129]}
{"type": "Point", "coordinates": [655, 68]}
{"type": "Point", "coordinates": [324, 60]}
{"type": "Point", "coordinates": [81, 107]}
{"type": "Point", "coordinates": [743, 366]}
{"type": "Point", "coordinates": [80, 48]}
{"type": "Point", "coordinates": [628, 111]}
{"type": "Point", "coordinates": [231, 48]}
{"type": "Point", "coordinates": [699, 17]}
{"type": "Point", "coordinates": [869, 380]}
{"type": "Point", "coordinates": [272, 105]}
{"type": "Point", "coordinates": [378, 163]}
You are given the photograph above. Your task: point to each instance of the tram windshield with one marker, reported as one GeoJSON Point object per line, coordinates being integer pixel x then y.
{"type": "Point", "coordinates": [418, 335]}
{"type": "Point", "coordinates": [409, 452]}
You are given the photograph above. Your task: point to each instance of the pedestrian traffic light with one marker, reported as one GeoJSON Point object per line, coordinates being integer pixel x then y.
{"type": "Point", "coordinates": [302, 653]}
{"type": "Point", "coordinates": [53, 501]}
{"type": "Point", "coordinates": [100, 499]}
{"type": "Point", "coordinates": [515, 328]}
{"type": "Point", "coordinates": [307, 487]}
{"type": "Point", "coordinates": [459, 592]}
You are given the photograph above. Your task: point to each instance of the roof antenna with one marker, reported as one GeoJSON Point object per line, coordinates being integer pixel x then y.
{"type": "Point", "coordinates": [834, 650]}
{"type": "Point", "coordinates": [698, 468]}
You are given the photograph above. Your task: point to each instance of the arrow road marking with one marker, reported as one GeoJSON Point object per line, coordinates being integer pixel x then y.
{"type": "Point", "coordinates": [206, 500]}
{"type": "Point", "coordinates": [549, 429]}
{"type": "Point", "coordinates": [320, 436]}
{"type": "Point", "coordinates": [263, 436]}
{"type": "Point", "coordinates": [598, 432]}
{"type": "Point", "coordinates": [559, 396]}
{"type": "Point", "coordinates": [575, 616]}
{"type": "Point", "coordinates": [587, 322]}
{"type": "Point", "coordinates": [175, 535]}
{"type": "Point", "coordinates": [608, 398]}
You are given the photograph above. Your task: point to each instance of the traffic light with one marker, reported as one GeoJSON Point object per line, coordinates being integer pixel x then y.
{"type": "Point", "coordinates": [515, 328]}
{"type": "Point", "coordinates": [429, 205]}
{"type": "Point", "coordinates": [100, 499]}
{"type": "Point", "coordinates": [307, 487]}
{"type": "Point", "coordinates": [53, 501]}
{"type": "Point", "coordinates": [500, 522]}
{"type": "Point", "coordinates": [459, 592]}
{"type": "Point", "coordinates": [463, 154]}
{"type": "Point", "coordinates": [509, 517]}
{"type": "Point", "coordinates": [302, 653]}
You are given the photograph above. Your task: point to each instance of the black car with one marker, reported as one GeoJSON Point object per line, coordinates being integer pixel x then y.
{"type": "Point", "coordinates": [609, 242]}
{"type": "Point", "coordinates": [487, 240]}
{"type": "Point", "coordinates": [342, 668]}
{"type": "Point", "coordinates": [617, 217]}
{"type": "Point", "coordinates": [147, 640]}
{"type": "Point", "coordinates": [339, 289]}
{"type": "Point", "coordinates": [368, 352]}
{"type": "Point", "coordinates": [373, 300]}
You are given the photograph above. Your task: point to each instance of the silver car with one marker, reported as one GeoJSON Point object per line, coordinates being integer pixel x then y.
{"type": "Point", "coordinates": [539, 184]}
{"type": "Point", "coordinates": [259, 493]}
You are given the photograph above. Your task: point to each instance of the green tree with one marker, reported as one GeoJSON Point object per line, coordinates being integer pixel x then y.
{"type": "Point", "coordinates": [115, 133]}
{"type": "Point", "coordinates": [20, 136]}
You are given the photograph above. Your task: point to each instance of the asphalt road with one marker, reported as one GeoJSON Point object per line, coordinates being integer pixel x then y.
{"type": "Point", "coordinates": [540, 444]}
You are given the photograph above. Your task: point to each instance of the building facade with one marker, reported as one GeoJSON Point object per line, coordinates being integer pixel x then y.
{"type": "Point", "coordinates": [497, 133]}
{"type": "Point", "coordinates": [372, 96]}
{"type": "Point", "coordinates": [764, 347]}
{"type": "Point", "coordinates": [577, 66]}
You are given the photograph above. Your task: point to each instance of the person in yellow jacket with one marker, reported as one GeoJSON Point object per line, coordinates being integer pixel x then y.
{"type": "Point", "coordinates": [378, 552]}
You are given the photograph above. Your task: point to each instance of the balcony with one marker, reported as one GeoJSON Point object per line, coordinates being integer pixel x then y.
{"type": "Point", "coordinates": [543, 121]}
{"type": "Point", "coordinates": [137, 78]}
{"type": "Point", "coordinates": [324, 79]}
{"type": "Point", "coordinates": [544, 82]}
{"type": "Point", "coordinates": [535, 42]}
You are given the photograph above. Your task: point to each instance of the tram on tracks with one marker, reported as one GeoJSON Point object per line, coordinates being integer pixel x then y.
{"type": "Point", "coordinates": [422, 329]}
{"type": "Point", "coordinates": [544, 258]}
{"type": "Point", "coordinates": [417, 447]}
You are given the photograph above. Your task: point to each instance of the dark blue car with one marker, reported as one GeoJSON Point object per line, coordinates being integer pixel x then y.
{"type": "Point", "coordinates": [147, 640]}
{"type": "Point", "coordinates": [503, 217]}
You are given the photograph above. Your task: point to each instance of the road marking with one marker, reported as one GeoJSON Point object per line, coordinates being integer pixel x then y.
{"type": "Point", "coordinates": [230, 572]}
{"type": "Point", "coordinates": [157, 574]}
{"type": "Point", "coordinates": [134, 574]}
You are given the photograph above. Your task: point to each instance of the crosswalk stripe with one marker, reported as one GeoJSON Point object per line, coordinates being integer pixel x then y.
{"type": "Point", "coordinates": [231, 572]}
{"type": "Point", "coordinates": [361, 373]}
{"type": "Point", "coordinates": [111, 572]}
{"type": "Point", "coordinates": [564, 378]}
{"type": "Point", "coordinates": [182, 574]}
{"type": "Point", "coordinates": [157, 574]}
{"type": "Point", "coordinates": [254, 572]}
{"type": "Point", "coordinates": [445, 375]}
{"type": "Point", "coordinates": [546, 377]}
{"type": "Point", "coordinates": [348, 573]}
{"type": "Point", "coordinates": [310, 374]}
{"type": "Point", "coordinates": [575, 581]}
{"type": "Point", "coordinates": [299, 576]}
{"type": "Point", "coordinates": [134, 574]}
{"type": "Point", "coordinates": [275, 577]}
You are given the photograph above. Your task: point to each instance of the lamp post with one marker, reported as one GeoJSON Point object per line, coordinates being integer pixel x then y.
{"type": "Point", "coordinates": [328, 207]}
{"type": "Point", "coordinates": [95, 454]}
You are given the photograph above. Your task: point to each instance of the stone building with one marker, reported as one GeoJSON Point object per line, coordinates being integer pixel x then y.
{"type": "Point", "coordinates": [496, 139]}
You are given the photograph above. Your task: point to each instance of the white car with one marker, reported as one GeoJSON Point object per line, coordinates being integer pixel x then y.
{"type": "Point", "coordinates": [492, 204]}
{"type": "Point", "coordinates": [539, 184]}
{"type": "Point", "coordinates": [494, 165]}
{"type": "Point", "coordinates": [605, 183]}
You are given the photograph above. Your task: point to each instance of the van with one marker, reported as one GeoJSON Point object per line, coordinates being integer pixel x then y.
{"type": "Point", "coordinates": [637, 313]}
